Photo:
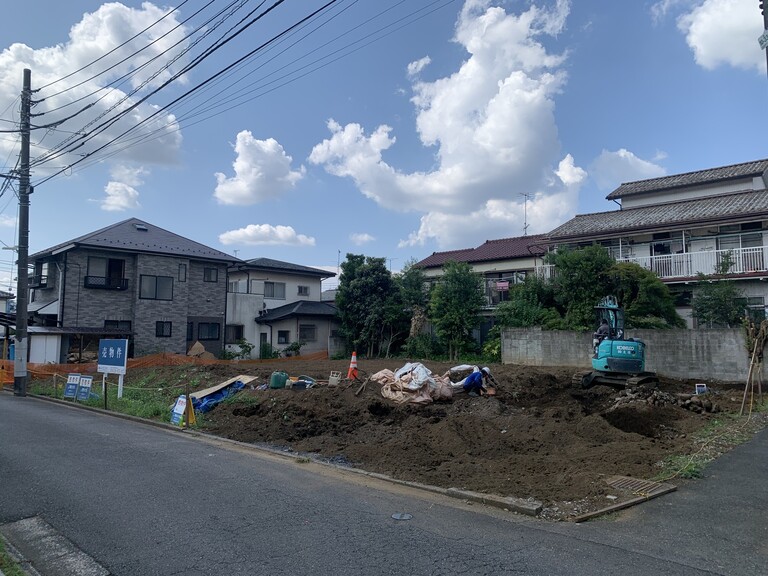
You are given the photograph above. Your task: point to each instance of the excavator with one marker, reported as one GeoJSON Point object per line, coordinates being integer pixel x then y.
{"type": "Point", "coordinates": [617, 361]}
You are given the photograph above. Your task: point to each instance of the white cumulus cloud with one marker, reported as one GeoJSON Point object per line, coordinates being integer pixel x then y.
{"type": "Point", "coordinates": [611, 169]}
{"type": "Point", "coordinates": [415, 67]}
{"type": "Point", "coordinates": [261, 234]}
{"type": "Point", "coordinates": [64, 91]}
{"type": "Point", "coordinates": [492, 126]}
{"type": "Point", "coordinates": [121, 192]}
{"type": "Point", "coordinates": [724, 32]}
{"type": "Point", "coordinates": [262, 171]}
{"type": "Point", "coordinates": [360, 238]}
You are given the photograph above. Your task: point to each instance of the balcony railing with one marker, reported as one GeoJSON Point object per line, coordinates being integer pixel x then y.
{"type": "Point", "coordinates": [690, 264]}
{"type": "Point", "coordinates": [38, 281]}
{"type": "Point", "coordinates": [106, 283]}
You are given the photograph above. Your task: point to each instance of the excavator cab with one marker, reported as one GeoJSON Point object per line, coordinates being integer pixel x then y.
{"type": "Point", "coordinates": [616, 360]}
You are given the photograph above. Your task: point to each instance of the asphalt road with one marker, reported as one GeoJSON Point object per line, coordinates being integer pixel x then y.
{"type": "Point", "coordinates": [142, 500]}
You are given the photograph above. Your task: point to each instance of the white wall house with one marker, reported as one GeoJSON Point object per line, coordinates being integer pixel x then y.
{"type": "Point", "coordinates": [278, 303]}
{"type": "Point", "coordinates": [681, 225]}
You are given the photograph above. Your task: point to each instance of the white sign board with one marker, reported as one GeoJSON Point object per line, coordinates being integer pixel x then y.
{"type": "Point", "coordinates": [763, 40]}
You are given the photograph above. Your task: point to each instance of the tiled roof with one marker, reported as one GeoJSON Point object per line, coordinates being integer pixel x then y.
{"type": "Point", "coordinates": [711, 175]}
{"type": "Point", "coordinates": [302, 308]}
{"type": "Point", "coordinates": [709, 210]}
{"type": "Point", "coordinates": [502, 249]}
{"type": "Point", "coordinates": [139, 236]}
{"type": "Point", "coordinates": [280, 266]}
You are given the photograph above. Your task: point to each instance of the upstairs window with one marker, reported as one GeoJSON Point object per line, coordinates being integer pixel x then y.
{"type": "Point", "coordinates": [156, 287]}
{"type": "Point", "coordinates": [274, 290]}
{"type": "Point", "coordinates": [210, 275]}
{"type": "Point", "coordinates": [303, 290]}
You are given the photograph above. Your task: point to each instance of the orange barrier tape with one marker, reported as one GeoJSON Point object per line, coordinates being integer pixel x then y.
{"type": "Point", "coordinates": [153, 360]}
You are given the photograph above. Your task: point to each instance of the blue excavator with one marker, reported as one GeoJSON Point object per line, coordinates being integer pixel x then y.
{"type": "Point", "coordinates": [616, 361]}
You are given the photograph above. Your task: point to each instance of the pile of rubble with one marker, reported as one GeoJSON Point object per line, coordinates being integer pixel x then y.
{"type": "Point", "coordinates": [698, 403]}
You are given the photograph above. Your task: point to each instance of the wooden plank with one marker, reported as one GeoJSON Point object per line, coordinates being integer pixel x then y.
{"type": "Point", "coordinates": [200, 394]}
{"type": "Point", "coordinates": [622, 505]}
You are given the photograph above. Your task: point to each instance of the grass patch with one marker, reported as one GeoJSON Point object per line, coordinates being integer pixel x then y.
{"type": "Point", "coordinates": [712, 441]}
{"type": "Point", "coordinates": [8, 565]}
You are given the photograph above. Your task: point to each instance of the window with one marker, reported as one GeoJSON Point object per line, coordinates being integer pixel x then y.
{"type": "Point", "coordinates": [274, 290]}
{"type": "Point", "coordinates": [283, 336]}
{"type": "Point", "coordinates": [238, 287]}
{"type": "Point", "coordinates": [303, 290]}
{"type": "Point", "coordinates": [307, 333]}
{"type": "Point", "coordinates": [156, 287]}
{"type": "Point", "coordinates": [210, 275]}
{"type": "Point", "coordinates": [106, 273]}
{"type": "Point", "coordinates": [190, 331]}
{"type": "Point", "coordinates": [233, 333]}
{"type": "Point", "coordinates": [124, 325]}
{"type": "Point", "coordinates": [163, 329]}
{"type": "Point", "coordinates": [208, 330]}
{"type": "Point", "coordinates": [182, 272]}
{"type": "Point", "coordinates": [754, 308]}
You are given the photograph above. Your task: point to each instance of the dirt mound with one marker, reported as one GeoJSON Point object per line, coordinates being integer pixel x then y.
{"type": "Point", "coordinates": [538, 437]}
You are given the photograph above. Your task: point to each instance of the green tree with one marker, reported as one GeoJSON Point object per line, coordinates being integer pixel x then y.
{"type": "Point", "coordinates": [647, 301]}
{"type": "Point", "coordinates": [716, 299]}
{"type": "Point", "coordinates": [530, 304]}
{"type": "Point", "coordinates": [582, 279]}
{"type": "Point", "coordinates": [454, 306]}
{"type": "Point", "coordinates": [365, 286]}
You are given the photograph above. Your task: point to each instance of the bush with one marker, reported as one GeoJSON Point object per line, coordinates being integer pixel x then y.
{"type": "Point", "coordinates": [421, 346]}
{"type": "Point", "coordinates": [267, 351]}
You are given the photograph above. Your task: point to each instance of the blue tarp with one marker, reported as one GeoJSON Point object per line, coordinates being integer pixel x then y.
{"type": "Point", "coordinates": [210, 401]}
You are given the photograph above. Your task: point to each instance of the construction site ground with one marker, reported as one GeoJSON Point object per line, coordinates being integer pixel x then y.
{"type": "Point", "coordinates": [539, 437]}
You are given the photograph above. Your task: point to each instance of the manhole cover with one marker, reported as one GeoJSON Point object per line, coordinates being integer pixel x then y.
{"type": "Point", "coordinates": [401, 516]}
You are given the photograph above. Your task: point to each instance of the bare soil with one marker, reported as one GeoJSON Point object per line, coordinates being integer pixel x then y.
{"type": "Point", "coordinates": [539, 437]}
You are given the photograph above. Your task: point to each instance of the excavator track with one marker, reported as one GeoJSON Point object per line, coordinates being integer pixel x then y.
{"type": "Point", "coordinates": [618, 380]}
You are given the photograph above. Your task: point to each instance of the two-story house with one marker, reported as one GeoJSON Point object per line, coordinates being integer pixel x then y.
{"type": "Point", "coordinates": [681, 225]}
{"type": "Point", "coordinates": [273, 304]}
{"type": "Point", "coordinates": [160, 290]}
{"type": "Point", "coordinates": [502, 263]}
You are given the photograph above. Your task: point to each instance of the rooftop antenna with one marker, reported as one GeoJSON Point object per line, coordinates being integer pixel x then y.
{"type": "Point", "coordinates": [235, 251]}
{"type": "Point", "coordinates": [525, 213]}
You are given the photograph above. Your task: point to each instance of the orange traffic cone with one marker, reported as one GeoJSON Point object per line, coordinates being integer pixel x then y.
{"type": "Point", "coordinates": [352, 372]}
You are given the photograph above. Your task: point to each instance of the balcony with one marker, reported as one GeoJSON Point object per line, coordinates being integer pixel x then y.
{"type": "Point", "coordinates": [106, 283]}
{"type": "Point", "coordinates": [38, 281]}
{"type": "Point", "coordinates": [690, 264]}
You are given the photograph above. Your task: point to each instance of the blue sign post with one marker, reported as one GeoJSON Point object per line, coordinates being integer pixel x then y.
{"type": "Point", "coordinates": [113, 359]}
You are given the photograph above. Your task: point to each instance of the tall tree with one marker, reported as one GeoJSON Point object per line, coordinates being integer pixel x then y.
{"type": "Point", "coordinates": [365, 286]}
{"type": "Point", "coordinates": [455, 305]}
{"type": "Point", "coordinates": [582, 279]}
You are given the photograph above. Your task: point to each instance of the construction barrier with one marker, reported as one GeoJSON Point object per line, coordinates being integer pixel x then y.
{"type": "Point", "coordinates": [153, 360]}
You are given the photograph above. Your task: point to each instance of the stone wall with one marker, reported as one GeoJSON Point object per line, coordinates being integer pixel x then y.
{"type": "Point", "coordinates": [696, 354]}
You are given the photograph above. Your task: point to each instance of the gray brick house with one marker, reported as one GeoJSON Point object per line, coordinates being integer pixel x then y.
{"type": "Point", "coordinates": [133, 280]}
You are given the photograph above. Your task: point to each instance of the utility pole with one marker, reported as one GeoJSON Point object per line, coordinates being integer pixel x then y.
{"type": "Point", "coordinates": [22, 283]}
{"type": "Point", "coordinates": [764, 36]}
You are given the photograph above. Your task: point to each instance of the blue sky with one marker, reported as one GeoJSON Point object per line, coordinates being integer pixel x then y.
{"type": "Point", "coordinates": [386, 128]}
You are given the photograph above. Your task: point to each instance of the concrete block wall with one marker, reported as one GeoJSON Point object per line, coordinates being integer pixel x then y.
{"type": "Point", "coordinates": [696, 354]}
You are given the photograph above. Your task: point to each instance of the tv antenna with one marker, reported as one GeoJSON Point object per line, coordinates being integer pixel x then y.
{"type": "Point", "coordinates": [525, 213]}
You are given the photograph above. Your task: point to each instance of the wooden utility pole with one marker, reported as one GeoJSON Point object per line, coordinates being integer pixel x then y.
{"type": "Point", "coordinates": [22, 282]}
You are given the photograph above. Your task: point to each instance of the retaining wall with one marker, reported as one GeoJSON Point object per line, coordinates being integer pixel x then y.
{"type": "Point", "coordinates": [696, 354]}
